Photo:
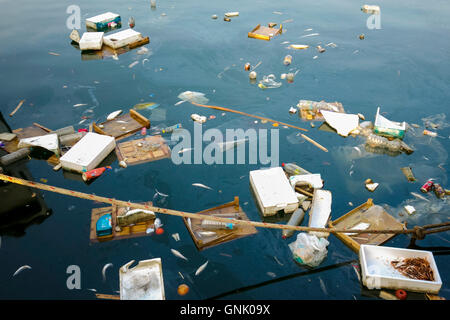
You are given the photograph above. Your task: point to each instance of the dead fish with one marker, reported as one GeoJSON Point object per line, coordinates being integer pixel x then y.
{"type": "Point", "coordinates": [161, 194]}
{"type": "Point", "coordinates": [178, 254]}
{"type": "Point", "coordinates": [277, 12]}
{"type": "Point", "coordinates": [179, 102]}
{"type": "Point", "coordinates": [92, 290]}
{"type": "Point", "coordinates": [355, 268]}
{"type": "Point", "coordinates": [226, 255]}
{"type": "Point", "coordinates": [309, 29]}
{"type": "Point", "coordinates": [309, 35]}
{"type": "Point", "coordinates": [285, 42]}
{"type": "Point", "coordinates": [133, 64]}
{"type": "Point", "coordinates": [80, 105]}
{"type": "Point", "coordinates": [322, 286]}
{"type": "Point", "coordinates": [271, 274]}
{"type": "Point", "coordinates": [53, 53]}
{"type": "Point", "coordinates": [201, 268]}
{"type": "Point", "coordinates": [201, 186]}
{"type": "Point", "coordinates": [106, 266]}
{"type": "Point", "coordinates": [180, 275]}
{"type": "Point", "coordinates": [206, 233]}
{"type": "Point", "coordinates": [276, 259]}
{"type": "Point", "coordinates": [357, 149]}
{"type": "Point", "coordinates": [82, 121]}
{"type": "Point", "coordinates": [419, 196]}
{"type": "Point", "coordinates": [21, 269]}
{"type": "Point", "coordinates": [113, 115]}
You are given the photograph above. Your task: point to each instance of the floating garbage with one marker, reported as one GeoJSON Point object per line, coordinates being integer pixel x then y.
{"type": "Point", "coordinates": [320, 211]}
{"type": "Point", "coordinates": [103, 21]}
{"type": "Point", "coordinates": [373, 9]}
{"type": "Point", "coordinates": [388, 128]}
{"type": "Point", "coordinates": [295, 220]}
{"type": "Point", "coordinates": [308, 249]}
{"type": "Point", "coordinates": [312, 110]}
{"type": "Point", "coordinates": [299, 46]}
{"type": "Point", "coordinates": [122, 38]}
{"type": "Point", "coordinates": [407, 171]}
{"type": "Point", "coordinates": [429, 133]}
{"type": "Point", "coordinates": [343, 123]}
{"type": "Point", "coordinates": [193, 96]}
{"type": "Point", "coordinates": [198, 118]}
{"type": "Point", "coordinates": [49, 142]}
{"type": "Point", "coordinates": [264, 33]}
{"type": "Point", "coordinates": [91, 41]}
{"type": "Point", "coordinates": [143, 282]}
{"type": "Point", "coordinates": [273, 191]}
{"type": "Point", "coordinates": [269, 82]}
{"type": "Point", "coordinates": [113, 115]}
{"type": "Point", "coordinates": [380, 269]}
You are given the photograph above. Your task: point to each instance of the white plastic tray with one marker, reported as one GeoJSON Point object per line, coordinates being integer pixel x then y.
{"type": "Point", "coordinates": [377, 271]}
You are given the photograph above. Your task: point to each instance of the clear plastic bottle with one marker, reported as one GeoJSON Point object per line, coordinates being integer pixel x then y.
{"type": "Point", "coordinates": [295, 220]}
{"type": "Point", "coordinates": [210, 224]}
{"type": "Point", "coordinates": [293, 169]}
{"type": "Point", "coordinates": [171, 128]}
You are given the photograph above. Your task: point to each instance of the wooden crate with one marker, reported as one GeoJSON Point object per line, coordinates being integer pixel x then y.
{"type": "Point", "coordinates": [222, 236]}
{"type": "Point", "coordinates": [22, 133]}
{"type": "Point", "coordinates": [264, 33]}
{"type": "Point", "coordinates": [352, 218]}
{"type": "Point", "coordinates": [137, 230]}
{"type": "Point", "coordinates": [122, 126]}
{"type": "Point", "coordinates": [134, 154]}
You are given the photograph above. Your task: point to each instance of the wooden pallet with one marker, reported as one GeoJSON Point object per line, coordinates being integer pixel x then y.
{"type": "Point", "coordinates": [137, 230]}
{"type": "Point", "coordinates": [135, 154]}
{"type": "Point", "coordinates": [222, 236]}
{"type": "Point", "coordinates": [122, 126]}
{"type": "Point", "coordinates": [264, 33]}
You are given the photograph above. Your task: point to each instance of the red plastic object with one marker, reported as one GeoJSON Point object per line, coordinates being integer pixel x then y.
{"type": "Point", "coordinates": [159, 231]}
{"type": "Point", "coordinates": [401, 294]}
{"type": "Point", "coordinates": [82, 130]}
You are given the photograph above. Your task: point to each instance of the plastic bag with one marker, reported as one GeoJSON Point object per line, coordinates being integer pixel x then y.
{"type": "Point", "coordinates": [308, 249]}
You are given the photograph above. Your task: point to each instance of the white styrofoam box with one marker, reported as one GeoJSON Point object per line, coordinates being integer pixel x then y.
{"type": "Point", "coordinates": [273, 191]}
{"type": "Point", "coordinates": [122, 38]}
{"type": "Point", "coordinates": [87, 153]}
{"type": "Point", "coordinates": [91, 41]}
{"type": "Point", "coordinates": [377, 271]}
{"type": "Point", "coordinates": [101, 20]}
{"type": "Point", "coordinates": [320, 211]}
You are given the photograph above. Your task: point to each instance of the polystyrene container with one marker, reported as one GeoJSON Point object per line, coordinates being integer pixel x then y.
{"type": "Point", "coordinates": [87, 153]}
{"type": "Point", "coordinates": [273, 191]}
{"type": "Point", "coordinates": [122, 38]}
{"type": "Point", "coordinates": [377, 271]}
{"type": "Point", "coordinates": [102, 20]}
{"type": "Point", "coordinates": [91, 41]}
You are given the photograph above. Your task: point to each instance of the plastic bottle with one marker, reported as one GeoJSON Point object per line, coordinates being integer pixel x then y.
{"type": "Point", "coordinates": [64, 131]}
{"type": "Point", "coordinates": [210, 224]}
{"type": "Point", "coordinates": [15, 156]}
{"type": "Point", "coordinates": [70, 139]}
{"type": "Point", "coordinates": [293, 169]}
{"type": "Point", "coordinates": [295, 220]}
{"type": "Point", "coordinates": [171, 128]}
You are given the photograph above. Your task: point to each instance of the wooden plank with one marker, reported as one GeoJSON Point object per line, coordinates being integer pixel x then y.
{"type": "Point", "coordinates": [122, 126]}
{"type": "Point", "coordinates": [22, 133]}
{"type": "Point", "coordinates": [107, 296]}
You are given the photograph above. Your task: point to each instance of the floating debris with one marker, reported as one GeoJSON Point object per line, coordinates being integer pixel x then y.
{"type": "Point", "coordinates": [201, 186]}
{"type": "Point", "coordinates": [21, 269]}
{"type": "Point", "coordinates": [133, 64]}
{"type": "Point", "coordinates": [176, 236]}
{"type": "Point", "coordinates": [178, 254]}
{"type": "Point", "coordinates": [414, 268]}
{"type": "Point", "coordinates": [201, 268]}
{"type": "Point", "coordinates": [106, 266]}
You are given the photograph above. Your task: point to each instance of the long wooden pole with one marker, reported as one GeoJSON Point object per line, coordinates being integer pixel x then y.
{"type": "Point", "coordinates": [185, 214]}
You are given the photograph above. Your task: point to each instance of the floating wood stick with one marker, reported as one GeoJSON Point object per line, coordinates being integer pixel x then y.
{"type": "Point", "coordinates": [17, 108]}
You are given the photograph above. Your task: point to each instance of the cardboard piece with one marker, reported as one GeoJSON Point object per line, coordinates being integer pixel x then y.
{"type": "Point", "coordinates": [264, 33]}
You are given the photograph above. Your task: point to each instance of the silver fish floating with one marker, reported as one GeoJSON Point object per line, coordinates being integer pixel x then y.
{"type": "Point", "coordinates": [179, 102]}
{"type": "Point", "coordinates": [21, 269]}
{"type": "Point", "coordinates": [106, 266]}
{"type": "Point", "coordinates": [201, 268]}
{"type": "Point", "coordinates": [80, 105]}
{"type": "Point", "coordinates": [419, 196]}
{"type": "Point", "coordinates": [201, 186]}
{"type": "Point", "coordinates": [178, 254]}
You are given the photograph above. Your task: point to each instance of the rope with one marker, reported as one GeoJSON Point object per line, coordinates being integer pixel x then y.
{"type": "Point", "coordinates": [112, 201]}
